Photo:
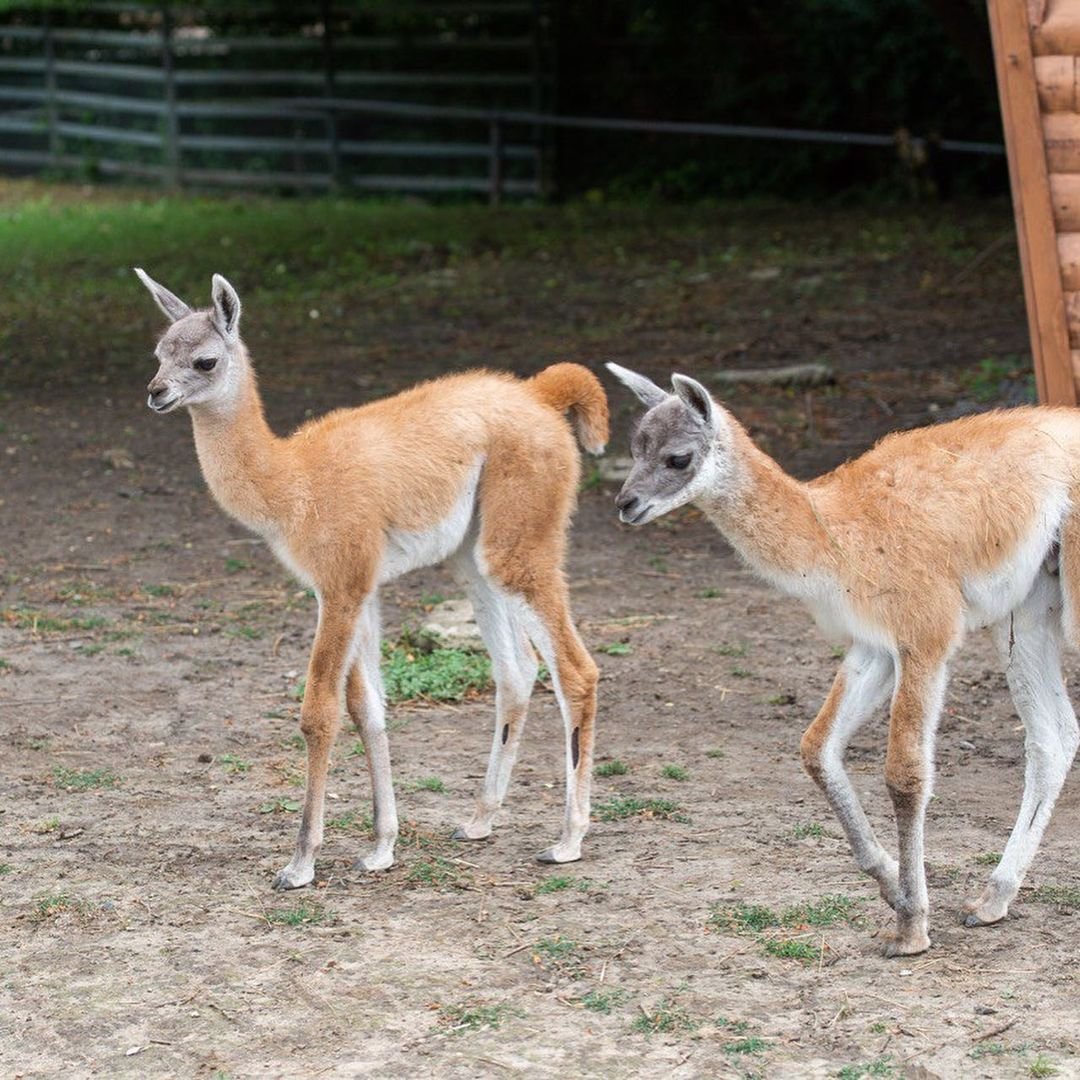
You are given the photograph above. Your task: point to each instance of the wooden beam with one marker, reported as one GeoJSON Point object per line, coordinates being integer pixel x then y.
{"type": "Point", "coordinates": [1036, 236]}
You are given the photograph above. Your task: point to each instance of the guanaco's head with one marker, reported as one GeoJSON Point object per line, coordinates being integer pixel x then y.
{"type": "Point", "coordinates": [679, 447]}
{"type": "Point", "coordinates": [200, 354]}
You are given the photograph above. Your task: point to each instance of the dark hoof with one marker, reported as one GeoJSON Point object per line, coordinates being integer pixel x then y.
{"type": "Point", "coordinates": [460, 834]}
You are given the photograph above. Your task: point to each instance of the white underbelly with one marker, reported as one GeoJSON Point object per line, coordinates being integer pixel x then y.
{"type": "Point", "coordinates": [407, 551]}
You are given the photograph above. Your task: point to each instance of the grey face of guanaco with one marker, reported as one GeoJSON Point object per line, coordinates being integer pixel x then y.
{"type": "Point", "coordinates": [674, 447]}
{"type": "Point", "coordinates": [198, 354]}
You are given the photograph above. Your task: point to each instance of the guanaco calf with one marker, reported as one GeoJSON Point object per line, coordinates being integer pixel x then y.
{"type": "Point", "coordinates": [479, 469]}
{"type": "Point", "coordinates": [973, 523]}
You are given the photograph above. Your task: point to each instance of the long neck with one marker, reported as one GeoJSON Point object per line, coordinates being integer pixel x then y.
{"type": "Point", "coordinates": [240, 456]}
{"type": "Point", "coordinates": [768, 516]}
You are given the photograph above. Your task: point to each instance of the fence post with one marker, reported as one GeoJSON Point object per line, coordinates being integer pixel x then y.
{"type": "Point", "coordinates": [50, 92]}
{"type": "Point", "coordinates": [171, 135]}
{"type": "Point", "coordinates": [495, 174]}
{"type": "Point", "coordinates": [330, 86]}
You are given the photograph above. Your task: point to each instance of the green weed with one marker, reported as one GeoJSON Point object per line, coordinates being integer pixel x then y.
{"type": "Point", "coordinates": [459, 1019]}
{"type": "Point", "coordinates": [562, 882]}
{"type": "Point", "coordinates": [233, 764]}
{"type": "Point", "coordinates": [616, 648]}
{"type": "Point", "coordinates": [1061, 895]}
{"type": "Point", "coordinates": [809, 829]}
{"type": "Point", "coordinates": [674, 772]}
{"type": "Point", "coordinates": [350, 820]}
{"type": "Point", "coordinates": [436, 873]}
{"type": "Point", "coordinates": [610, 768]}
{"type": "Point", "coordinates": [280, 805]}
{"type": "Point", "coordinates": [1041, 1065]}
{"type": "Point", "coordinates": [709, 594]}
{"type": "Point", "coordinates": [437, 675]}
{"type": "Point", "coordinates": [624, 806]}
{"type": "Point", "coordinates": [299, 915]}
{"type": "Point", "coordinates": [234, 566]}
{"type": "Point", "coordinates": [430, 783]}
{"type": "Point", "coordinates": [604, 1001]}
{"type": "Point", "coordinates": [665, 1018]}
{"type": "Point", "coordinates": [988, 858]}
{"type": "Point", "coordinates": [83, 779]}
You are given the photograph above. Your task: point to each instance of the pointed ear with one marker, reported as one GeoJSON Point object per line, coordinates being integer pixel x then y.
{"type": "Point", "coordinates": [226, 307]}
{"type": "Point", "coordinates": [696, 398]}
{"type": "Point", "coordinates": [172, 305]}
{"type": "Point", "coordinates": [647, 391]}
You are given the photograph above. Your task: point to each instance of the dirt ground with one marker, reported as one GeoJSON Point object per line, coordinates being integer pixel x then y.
{"type": "Point", "coordinates": [151, 770]}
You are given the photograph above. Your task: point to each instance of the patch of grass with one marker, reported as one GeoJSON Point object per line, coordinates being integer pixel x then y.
{"type": "Point", "coordinates": [881, 1066]}
{"type": "Point", "coordinates": [296, 691]}
{"type": "Point", "coordinates": [459, 1019]}
{"type": "Point", "coordinates": [792, 949]}
{"type": "Point", "coordinates": [234, 566]}
{"type": "Point", "coordinates": [709, 594]}
{"type": "Point", "coordinates": [768, 925]}
{"type": "Point", "coordinates": [50, 824]}
{"type": "Point", "coordinates": [992, 377]}
{"type": "Point", "coordinates": [987, 858]}
{"type": "Point", "coordinates": [233, 764]}
{"type": "Point", "coordinates": [741, 673]}
{"type": "Point", "coordinates": [83, 779]}
{"type": "Point", "coordinates": [784, 698]}
{"type": "Point", "coordinates": [604, 1001]}
{"type": "Point", "coordinates": [280, 806]}
{"type": "Point", "coordinates": [350, 820]}
{"type": "Point", "coordinates": [616, 648]}
{"type": "Point", "coordinates": [750, 1045]}
{"type": "Point", "coordinates": [715, 752]}
{"type": "Point", "coordinates": [50, 905]}
{"type": "Point", "coordinates": [38, 622]}
{"type": "Point", "coordinates": [301, 914]}
{"type": "Point", "coordinates": [674, 772]}
{"type": "Point", "coordinates": [556, 952]}
{"type": "Point", "coordinates": [610, 768]}
{"type": "Point", "coordinates": [1061, 895]}
{"type": "Point", "coordinates": [161, 590]}
{"type": "Point", "coordinates": [5, 869]}
{"type": "Point", "coordinates": [730, 649]}
{"type": "Point", "coordinates": [437, 873]}
{"type": "Point", "coordinates": [430, 783]}
{"type": "Point", "coordinates": [411, 674]}
{"type": "Point", "coordinates": [357, 749]}
{"type": "Point", "coordinates": [562, 882]}
{"type": "Point", "coordinates": [1041, 1065]}
{"type": "Point", "coordinates": [248, 633]}
{"type": "Point", "coordinates": [5, 665]}
{"type": "Point", "coordinates": [625, 806]}
{"type": "Point", "coordinates": [987, 1049]}
{"type": "Point", "coordinates": [809, 829]}
{"type": "Point", "coordinates": [666, 1017]}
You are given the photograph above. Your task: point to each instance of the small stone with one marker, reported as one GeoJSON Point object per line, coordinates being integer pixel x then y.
{"type": "Point", "coordinates": [454, 623]}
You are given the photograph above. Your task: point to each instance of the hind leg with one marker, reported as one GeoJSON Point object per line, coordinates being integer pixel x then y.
{"type": "Point", "coordinates": [574, 676]}
{"type": "Point", "coordinates": [1029, 642]}
{"type": "Point", "coordinates": [514, 668]}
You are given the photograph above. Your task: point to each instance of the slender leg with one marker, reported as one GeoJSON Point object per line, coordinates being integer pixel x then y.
{"type": "Point", "coordinates": [514, 668]}
{"type": "Point", "coordinates": [862, 684]}
{"type": "Point", "coordinates": [916, 706]}
{"type": "Point", "coordinates": [319, 719]}
{"type": "Point", "coordinates": [1030, 645]}
{"type": "Point", "coordinates": [574, 675]}
{"type": "Point", "coordinates": [367, 707]}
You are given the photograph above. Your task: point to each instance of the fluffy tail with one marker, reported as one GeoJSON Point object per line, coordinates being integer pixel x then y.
{"type": "Point", "coordinates": [573, 387]}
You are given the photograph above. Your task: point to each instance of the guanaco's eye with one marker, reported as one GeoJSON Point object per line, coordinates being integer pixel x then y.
{"type": "Point", "coordinates": [679, 461]}
{"type": "Point", "coordinates": [206, 363]}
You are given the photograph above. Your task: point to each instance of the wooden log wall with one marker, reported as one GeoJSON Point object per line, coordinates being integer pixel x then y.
{"type": "Point", "coordinates": [1037, 55]}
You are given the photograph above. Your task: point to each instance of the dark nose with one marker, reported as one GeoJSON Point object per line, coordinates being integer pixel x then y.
{"type": "Point", "coordinates": [625, 502]}
{"type": "Point", "coordinates": [155, 387]}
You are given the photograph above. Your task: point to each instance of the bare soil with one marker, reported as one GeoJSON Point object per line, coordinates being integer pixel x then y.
{"type": "Point", "coordinates": [151, 769]}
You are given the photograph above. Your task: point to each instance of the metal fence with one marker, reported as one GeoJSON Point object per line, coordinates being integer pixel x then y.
{"type": "Point", "coordinates": [460, 102]}
{"type": "Point", "coordinates": [156, 92]}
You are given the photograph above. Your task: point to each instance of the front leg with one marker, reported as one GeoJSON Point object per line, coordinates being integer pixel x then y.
{"type": "Point", "coordinates": [909, 769]}
{"type": "Point", "coordinates": [319, 719]}
{"type": "Point", "coordinates": [862, 684]}
{"type": "Point", "coordinates": [365, 699]}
